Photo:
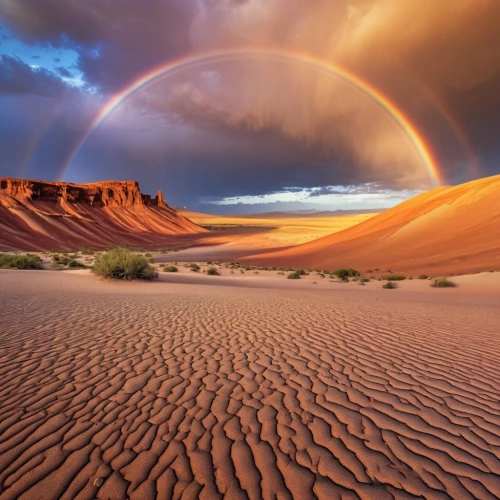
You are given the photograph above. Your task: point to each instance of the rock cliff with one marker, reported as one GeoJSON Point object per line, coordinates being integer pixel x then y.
{"type": "Point", "coordinates": [41, 215]}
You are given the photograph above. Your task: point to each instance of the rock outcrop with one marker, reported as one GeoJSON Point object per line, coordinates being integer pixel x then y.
{"type": "Point", "coordinates": [99, 194]}
{"type": "Point", "coordinates": [51, 215]}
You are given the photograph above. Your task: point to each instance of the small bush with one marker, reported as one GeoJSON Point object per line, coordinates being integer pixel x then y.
{"type": "Point", "coordinates": [281, 273]}
{"type": "Point", "coordinates": [364, 280]}
{"type": "Point", "coordinates": [394, 277]}
{"type": "Point", "coordinates": [442, 283]}
{"type": "Point", "coordinates": [74, 264]}
{"type": "Point", "coordinates": [121, 263]}
{"type": "Point", "coordinates": [370, 271]}
{"type": "Point", "coordinates": [213, 272]}
{"type": "Point", "coordinates": [28, 261]}
{"type": "Point", "coordinates": [148, 255]}
{"type": "Point", "coordinates": [56, 258]}
{"type": "Point", "coordinates": [389, 285]}
{"type": "Point", "coordinates": [294, 276]}
{"type": "Point", "coordinates": [170, 269]}
{"type": "Point", "coordinates": [194, 267]}
{"type": "Point", "coordinates": [346, 273]}
{"type": "Point", "coordinates": [423, 277]}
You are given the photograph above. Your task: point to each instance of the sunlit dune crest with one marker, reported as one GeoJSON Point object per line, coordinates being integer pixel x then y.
{"type": "Point", "coordinates": [446, 230]}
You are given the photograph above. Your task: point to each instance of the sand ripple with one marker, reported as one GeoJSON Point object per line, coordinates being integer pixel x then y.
{"type": "Point", "coordinates": [170, 391]}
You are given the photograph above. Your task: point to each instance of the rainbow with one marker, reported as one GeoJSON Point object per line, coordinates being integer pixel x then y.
{"type": "Point", "coordinates": [454, 124]}
{"type": "Point", "coordinates": [422, 148]}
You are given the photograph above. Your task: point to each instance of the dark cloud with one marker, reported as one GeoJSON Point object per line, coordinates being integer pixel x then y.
{"type": "Point", "coordinates": [17, 77]}
{"type": "Point", "coordinates": [63, 72]}
{"type": "Point", "coordinates": [253, 127]}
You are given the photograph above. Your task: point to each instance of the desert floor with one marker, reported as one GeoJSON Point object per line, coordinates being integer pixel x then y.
{"type": "Point", "coordinates": [247, 386]}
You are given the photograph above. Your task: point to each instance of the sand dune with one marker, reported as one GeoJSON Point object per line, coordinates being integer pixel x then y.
{"type": "Point", "coordinates": [446, 230]}
{"type": "Point", "coordinates": [38, 215]}
{"type": "Point", "coordinates": [166, 390]}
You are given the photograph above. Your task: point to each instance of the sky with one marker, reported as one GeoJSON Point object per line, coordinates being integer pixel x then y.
{"type": "Point", "coordinates": [240, 106]}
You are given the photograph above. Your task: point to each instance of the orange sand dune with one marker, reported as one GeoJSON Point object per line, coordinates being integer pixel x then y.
{"type": "Point", "coordinates": [169, 390]}
{"type": "Point", "coordinates": [37, 215]}
{"type": "Point", "coordinates": [446, 230]}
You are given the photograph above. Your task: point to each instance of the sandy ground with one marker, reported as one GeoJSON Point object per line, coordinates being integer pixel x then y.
{"type": "Point", "coordinates": [249, 386]}
{"type": "Point", "coordinates": [276, 231]}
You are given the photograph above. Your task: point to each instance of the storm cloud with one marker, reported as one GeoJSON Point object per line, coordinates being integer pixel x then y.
{"type": "Point", "coordinates": [251, 125]}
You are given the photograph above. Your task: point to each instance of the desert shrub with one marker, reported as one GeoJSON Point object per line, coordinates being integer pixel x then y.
{"type": "Point", "coordinates": [148, 255]}
{"type": "Point", "coordinates": [302, 272]}
{"type": "Point", "coordinates": [389, 285]}
{"type": "Point", "coordinates": [209, 263]}
{"type": "Point", "coordinates": [55, 258]}
{"type": "Point", "coordinates": [281, 273]}
{"type": "Point", "coordinates": [213, 272]}
{"type": "Point", "coordinates": [370, 271]}
{"type": "Point", "coordinates": [74, 264]}
{"type": "Point", "coordinates": [194, 267]}
{"type": "Point", "coordinates": [161, 265]}
{"type": "Point", "coordinates": [242, 271]}
{"type": "Point", "coordinates": [346, 273]}
{"type": "Point", "coordinates": [28, 261]}
{"type": "Point", "coordinates": [121, 263]}
{"type": "Point", "coordinates": [364, 280]}
{"type": "Point", "coordinates": [64, 260]}
{"type": "Point", "coordinates": [151, 260]}
{"type": "Point", "coordinates": [423, 277]}
{"type": "Point", "coordinates": [442, 283]}
{"type": "Point", "coordinates": [394, 277]}
{"type": "Point", "coordinates": [170, 269]}
{"type": "Point", "coordinates": [86, 251]}
{"type": "Point", "coordinates": [294, 276]}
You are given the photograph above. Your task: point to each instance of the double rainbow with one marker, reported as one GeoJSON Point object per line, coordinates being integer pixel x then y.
{"type": "Point", "coordinates": [422, 148]}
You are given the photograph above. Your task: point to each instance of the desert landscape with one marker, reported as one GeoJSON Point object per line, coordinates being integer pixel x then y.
{"type": "Point", "coordinates": [249, 250]}
{"type": "Point", "coordinates": [243, 383]}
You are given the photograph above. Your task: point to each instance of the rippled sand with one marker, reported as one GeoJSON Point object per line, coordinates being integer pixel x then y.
{"type": "Point", "coordinates": [245, 389]}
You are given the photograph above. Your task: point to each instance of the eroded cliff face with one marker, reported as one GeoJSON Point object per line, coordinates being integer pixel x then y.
{"type": "Point", "coordinates": [39, 215]}
{"type": "Point", "coordinates": [99, 194]}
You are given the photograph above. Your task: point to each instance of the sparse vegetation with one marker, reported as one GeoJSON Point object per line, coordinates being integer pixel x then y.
{"type": "Point", "coordinates": [294, 276]}
{"type": "Point", "coordinates": [194, 267]}
{"type": "Point", "coordinates": [27, 261]}
{"type": "Point", "coordinates": [394, 277]}
{"type": "Point", "coordinates": [74, 264]}
{"type": "Point", "coordinates": [170, 269]}
{"type": "Point", "coordinates": [212, 271]}
{"type": "Point", "coordinates": [121, 263]}
{"type": "Point", "coordinates": [423, 277]}
{"type": "Point", "coordinates": [442, 283]}
{"type": "Point", "coordinates": [346, 273]}
{"type": "Point", "coordinates": [389, 285]}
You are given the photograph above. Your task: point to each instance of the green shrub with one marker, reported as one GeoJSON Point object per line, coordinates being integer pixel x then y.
{"type": "Point", "coordinates": [213, 272]}
{"type": "Point", "coordinates": [170, 269]}
{"type": "Point", "coordinates": [28, 261]}
{"type": "Point", "coordinates": [75, 264]}
{"type": "Point", "coordinates": [121, 263]}
{"type": "Point", "coordinates": [423, 277]}
{"type": "Point", "coordinates": [294, 276]}
{"type": "Point", "coordinates": [346, 273]}
{"type": "Point", "coordinates": [442, 283]}
{"type": "Point", "coordinates": [194, 267]}
{"type": "Point", "coordinates": [55, 257]}
{"type": "Point", "coordinates": [370, 271]}
{"type": "Point", "coordinates": [364, 280]}
{"type": "Point", "coordinates": [389, 285]}
{"type": "Point", "coordinates": [148, 255]}
{"type": "Point", "coordinates": [394, 277]}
